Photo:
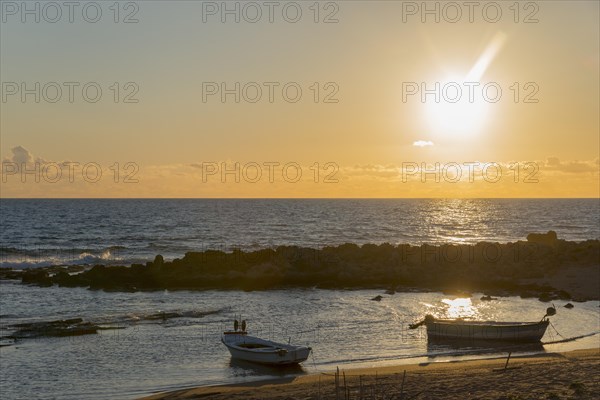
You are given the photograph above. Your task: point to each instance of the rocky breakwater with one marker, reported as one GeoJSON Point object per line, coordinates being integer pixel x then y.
{"type": "Point", "coordinates": [535, 267]}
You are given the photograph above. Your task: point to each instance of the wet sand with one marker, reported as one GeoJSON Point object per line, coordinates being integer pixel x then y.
{"type": "Point", "coordinates": [552, 376]}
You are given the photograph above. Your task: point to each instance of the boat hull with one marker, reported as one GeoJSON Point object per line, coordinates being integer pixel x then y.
{"type": "Point", "coordinates": [494, 331]}
{"type": "Point", "coordinates": [293, 357]}
{"type": "Point", "coordinates": [265, 352]}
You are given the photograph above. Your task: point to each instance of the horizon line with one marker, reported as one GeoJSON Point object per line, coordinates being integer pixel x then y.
{"type": "Point", "coordinates": [298, 198]}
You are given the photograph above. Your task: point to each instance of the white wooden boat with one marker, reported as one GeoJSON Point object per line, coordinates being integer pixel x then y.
{"type": "Point", "coordinates": [249, 348]}
{"type": "Point", "coordinates": [529, 332]}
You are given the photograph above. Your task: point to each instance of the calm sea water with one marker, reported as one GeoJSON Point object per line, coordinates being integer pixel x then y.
{"type": "Point", "coordinates": [344, 328]}
{"type": "Point", "coordinates": [47, 232]}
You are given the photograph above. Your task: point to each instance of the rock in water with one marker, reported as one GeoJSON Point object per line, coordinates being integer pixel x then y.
{"type": "Point", "coordinates": [549, 238]}
{"type": "Point", "coordinates": [545, 297]}
{"type": "Point", "coordinates": [377, 298]}
{"type": "Point", "coordinates": [66, 327]}
{"type": "Point", "coordinates": [569, 305]}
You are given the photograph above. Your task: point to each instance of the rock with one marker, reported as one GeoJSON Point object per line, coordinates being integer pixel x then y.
{"type": "Point", "coordinates": [67, 327]}
{"type": "Point", "coordinates": [163, 316]}
{"type": "Point", "coordinates": [63, 278]}
{"type": "Point", "coordinates": [549, 238]}
{"type": "Point", "coordinates": [563, 295]}
{"type": "Point", "coordinates": [7, 273]}
{"type": "Point", "coordinates": [569, 305]}
{"type": "Point", "coordinates": [546, 297]}
{"type": "Point", "coordinates": [488, 298]}
{"type": "Point", "coordinates": [37, 277]}
{"type": "Point", "coordinates": [554, 295]}
{"type": "Point", "coordinates": [377, 298]}
{"type": "Point", "coordinates": [526, 294]}
{"type": "Point", "coordinates": [520, 268]}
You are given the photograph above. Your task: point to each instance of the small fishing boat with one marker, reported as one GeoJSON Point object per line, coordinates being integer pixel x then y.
{"type": "Point", "coordinates": [524, 332]}
{"type": "Point", "coordinates": [249, 348]}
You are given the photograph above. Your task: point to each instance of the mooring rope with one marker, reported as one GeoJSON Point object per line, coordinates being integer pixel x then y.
{"type": "Point", "coordinates": [571, 338]}
{"type": "Point", "coordinates": [556, 330]}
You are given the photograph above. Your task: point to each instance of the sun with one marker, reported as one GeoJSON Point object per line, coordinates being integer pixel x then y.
{"type": "Point", "coordinates": [458, 113]}
{"type": "Point", "coordinates": [458, 106]}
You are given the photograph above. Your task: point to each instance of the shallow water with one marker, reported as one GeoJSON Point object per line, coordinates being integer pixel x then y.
{"type": "Point", "coordinates": [344, 328]}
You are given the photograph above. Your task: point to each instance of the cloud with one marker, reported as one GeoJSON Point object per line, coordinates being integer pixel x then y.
{"type": "Point", "coordinates": [552, 161]}
{"type": "Point", "coordinates": [22, 157]}
{"type": "Point", "coordinates": [423, 143]}
{"type": "Point", "coordinates": [573, 167]}
{"type": "Point", "coordinates": [404, 178]}
{"type": "Point", "coordinates": [371, 171]}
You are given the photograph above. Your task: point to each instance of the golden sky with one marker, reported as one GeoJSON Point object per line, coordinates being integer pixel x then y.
{"type": "Point", "coordinates": [367, 119]}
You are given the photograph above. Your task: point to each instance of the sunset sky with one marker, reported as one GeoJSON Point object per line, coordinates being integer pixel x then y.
{"type": "Point", "coordinates": [372, 137]}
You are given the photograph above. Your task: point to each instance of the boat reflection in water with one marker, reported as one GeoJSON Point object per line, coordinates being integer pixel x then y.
{"type": "Point", "coordinates": [249, 368]}
{"type": "Point", "coordinates": [473, 346]}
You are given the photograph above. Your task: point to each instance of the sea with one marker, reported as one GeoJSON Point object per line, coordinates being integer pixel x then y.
{"type": "Point", "coordinates": [170, 340]}
{"type": "Point", "coordinates": [117, 231]}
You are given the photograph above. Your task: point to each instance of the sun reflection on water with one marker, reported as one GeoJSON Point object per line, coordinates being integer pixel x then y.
{"type": "Point", "coordinates": [460, 308]}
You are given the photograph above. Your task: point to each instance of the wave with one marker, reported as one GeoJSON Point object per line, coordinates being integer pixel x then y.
{"type": "Point", "coordinates": [25, 258]}
{"type": "Point", "coordinates": [15, 258]}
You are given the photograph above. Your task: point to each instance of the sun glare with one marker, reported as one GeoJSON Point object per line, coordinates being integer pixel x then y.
{"type": "Point", "coordinates": [458, 106]}
{"type": "Point", "coordinates": [459, 308]}
{"type": "Point", "coordinates": [461, 118]}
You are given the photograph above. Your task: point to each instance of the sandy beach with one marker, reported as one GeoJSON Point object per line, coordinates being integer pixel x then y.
{"type": "Point", "coordinates": [570, 375]}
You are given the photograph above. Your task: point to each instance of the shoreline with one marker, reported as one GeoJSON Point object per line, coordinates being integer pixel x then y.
{"type": "Point", "coordinates": [555, 375]}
